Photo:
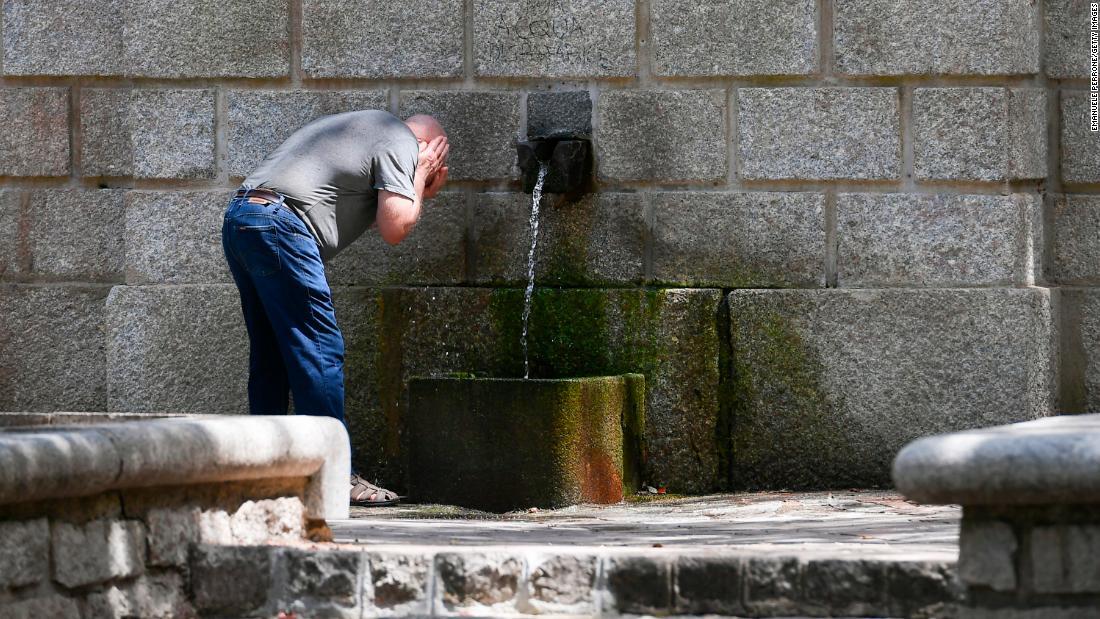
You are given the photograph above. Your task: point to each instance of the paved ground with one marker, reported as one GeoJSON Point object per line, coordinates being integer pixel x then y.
{"type": "Point", "coordinates": [864, 524]}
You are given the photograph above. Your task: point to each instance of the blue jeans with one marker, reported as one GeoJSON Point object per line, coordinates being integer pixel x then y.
{"type": "Point", "coordinates": [295, 344]}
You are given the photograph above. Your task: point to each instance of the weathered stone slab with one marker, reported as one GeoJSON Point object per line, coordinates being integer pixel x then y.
{"type": "Point", "coordinates": [231, 580]}
{"type": "Point", "coordinates": [773, 587]}
{"type": "Point", "coordinates": [481, 128]}
{"type": "Point", "coordinates": [259, 120]}
{"type": "Point", "coordinates": [52, 352]}
{"type": "Point", "coordinates": [945, 37]}
{"type": "Point", "coordinates": [107, 147]}
{"type": "Point", "coordinates": [831, 384]}
{"type": "Point", "coordinates": [176, 237]}
{"type": "Point", "coordinates": [11, 212]}
{"type": "Point", "coordinates": [55, 607]}
{"type": "Point", "coordinates": [433, 253]}
{"type": "Point", "coordinates": [709, 585]}
{"type": "Point", "coordinates": [35, 139]}
{"type": "Point", "coordinates": [358, 315]}
{"type": "Point", "coordinates": [1081, 311]}
{"type": "Point", "coordinates": [96, 552]}
{"type": "Point", "coordinates": [986, 552]}
{"type": "Point", "coordinates": [560, 38]}
{"type": "Point", "coordinates": [598, 239]}
{"type": "Point", "coordinates": [171, 531]}
{"type": "Point", "coordinates": [382, 39]}
{"type": "Point", "coordinates": [1080, 145]}
{"type": "Point", "coordinates": [845, 587]}
{"type": "Point", "coordinates": [399, 584]}
{"type": "Point", "coordinates": [475, 583]}
{"type": "Point", "coordinates": [205, 38]}
{"type": "Point", "coordinates": [744, 37]}
{"type": "Point", "coordinates": [268, 520]}
{"type": "Point", "coordinates": [818, 133]}
{"type": "Point", "coordinates": [639, 584]}
{"type": "Point", "coordinates": [665, 135]}
{"type": "Point", "coordinates": [125, 133]}
{"type": "Point", "coordinates": [895, 239]}
{"type": "Point", "coordinates": [322, 583]}
{"type": "Point", "coordinates": [1075, 252]}
{"type": "Point", "coordinates": [565, 114]}
{"type": "Point", "coordinates": [162, 596]}
{"type": "Point", "coordinates": [45, 37]}
{"type": "Point", "coordinates": [24, 553]}
{"type": "Point", "coordinates": [1066, 42]}
{"type": "Point", "coordinates": [1036, 612]}
{"type": "Point", "coordinates": [77, 234]}
{"type": "Point", "coordinates": [562, 584]}
{"type": "Point", "coordinates": [182, 118]}
{"type": "Point", "coordinates": [670, 336]}
{"type": "Point", "coordinates": [980, 134]}
{"type": "Point", "coordinates": [176, 348]}
{"type": "Point", "coordinates": [1065, 559]}
{"type": "Point", "coordinates": [470, 440]}
{"type": "Point", "coordinates": [739, 239]}
{"type": "Point", "coordinates": [916, 588]}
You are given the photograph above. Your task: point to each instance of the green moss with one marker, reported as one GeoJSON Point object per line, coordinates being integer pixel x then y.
{"type": "Point", "coordinates": [643, 498]}
{"type": "Point", "coordinates": [567, 332]}
{"type": "Point", "coordinates": [633, 423]}
{"type": "Point", "coordinates": [579, 331]}
{"type": "Point", "coordinates": [506, 318]}
{"type": "Point", "coordinates": [640, 317]}
{"type": "Point", "coordinates": [787, 432]}
{"type": "Point", "coordinates": [586, 332]}
{"type": "Point", "coordinates": [460, 375]}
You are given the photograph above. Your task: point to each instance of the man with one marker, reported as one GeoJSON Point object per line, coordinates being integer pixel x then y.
{"type": "Point", "coordinates": [309, 199]}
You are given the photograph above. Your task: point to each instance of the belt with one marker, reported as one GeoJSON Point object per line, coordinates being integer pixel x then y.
{"type": "Point", "coordinates": [260, 192]}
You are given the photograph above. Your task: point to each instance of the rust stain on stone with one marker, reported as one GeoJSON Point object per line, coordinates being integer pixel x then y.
{"type": "Point", "coordinates": [601, 480]}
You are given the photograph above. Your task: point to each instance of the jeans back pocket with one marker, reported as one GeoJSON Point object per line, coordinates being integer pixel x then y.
{"type": "Point", "coordinates": [257, 247]}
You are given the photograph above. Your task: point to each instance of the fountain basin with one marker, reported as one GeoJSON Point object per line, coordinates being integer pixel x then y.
{"type": "Point", "coordinates": [499, 444]}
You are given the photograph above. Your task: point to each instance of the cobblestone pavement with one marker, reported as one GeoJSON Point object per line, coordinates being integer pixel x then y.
{"type": "Point", "coordinates": [847, 524]}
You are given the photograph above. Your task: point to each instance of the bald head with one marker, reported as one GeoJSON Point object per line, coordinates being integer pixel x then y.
{"type": "Point", "coordinates": [425, 127]}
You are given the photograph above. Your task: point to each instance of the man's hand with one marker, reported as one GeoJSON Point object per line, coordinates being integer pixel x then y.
{"type": "Point", "coordinates": [435, 183]}
{"type": "Point", "coordinates": [397, 214]}
{"type": "Point", "coordinates": [432, 160]}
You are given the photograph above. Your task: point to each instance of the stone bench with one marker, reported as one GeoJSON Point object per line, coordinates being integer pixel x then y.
{"type": "Point", "coordinates": [99, 517]}
{"type": "Point", "coordinates": [1030, 537]}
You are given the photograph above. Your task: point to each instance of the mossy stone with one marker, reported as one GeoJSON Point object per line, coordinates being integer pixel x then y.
{"type": "Point", "coordinates": [669, 336]}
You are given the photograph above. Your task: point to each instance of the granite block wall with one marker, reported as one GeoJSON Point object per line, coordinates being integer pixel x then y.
{"type": "Point", "coordinates": [893, 206]}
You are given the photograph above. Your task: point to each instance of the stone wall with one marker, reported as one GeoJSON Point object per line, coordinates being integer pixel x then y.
{"type": "Point", "coordinates": [130, 553]}
{"type": "Point", "coordinates": [841, 224]}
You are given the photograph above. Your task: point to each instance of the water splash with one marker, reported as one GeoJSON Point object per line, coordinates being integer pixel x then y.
{"type": "Point", "coordinates": [536, 197]}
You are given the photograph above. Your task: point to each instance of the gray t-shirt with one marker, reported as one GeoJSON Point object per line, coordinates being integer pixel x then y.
{"type": "Point", "coordinates": [331, 169]}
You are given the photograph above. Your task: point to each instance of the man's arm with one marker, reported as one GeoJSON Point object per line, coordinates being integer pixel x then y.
{"type": "Point", "coordinates": [398, 214]}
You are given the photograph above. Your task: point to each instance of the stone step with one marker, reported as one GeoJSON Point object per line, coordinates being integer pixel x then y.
{"type": "Point", "coordinates": [586, 581]}
{"type": "Point", "coordinates": [839, 554]}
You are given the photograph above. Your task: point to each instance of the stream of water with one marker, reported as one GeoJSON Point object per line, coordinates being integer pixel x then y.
{"type": "Point", "coordinates": [536, 197]}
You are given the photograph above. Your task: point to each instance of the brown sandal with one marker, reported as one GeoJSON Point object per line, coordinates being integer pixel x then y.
{"type": "Point", "coordinates": [366, 494]}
